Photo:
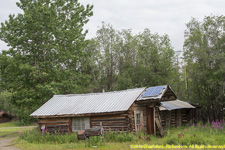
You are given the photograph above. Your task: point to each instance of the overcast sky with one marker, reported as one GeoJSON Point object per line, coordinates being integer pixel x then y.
{"type": "Point", "coordinates": [160, 16]}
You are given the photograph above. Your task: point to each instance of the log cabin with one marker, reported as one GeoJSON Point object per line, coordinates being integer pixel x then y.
{"type": "Point", "coordinates": [127, 110]}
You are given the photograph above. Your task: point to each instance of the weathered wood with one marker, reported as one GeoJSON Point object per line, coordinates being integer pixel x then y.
{"type": "Point", "coordinates": [55, 125]}
{"type": "Point", "coordinates": [109, 119]}
{"type": "Point", "coordinates": [70, 125]}
{"type": "Point", "coordinates": [43, 122]}
{"type": "Point", "coordinates": [94, 131]}
{"type": "Point", "coordinates": [158, 123]}
{"type": "Point", "coordinates": [52, 119]}
{"type": "Point", "coordinates": [114, 122]}
{"type": "Point", "coordinates": [150, 120]}
{"type": "Point", "coordinates": [83, 115]}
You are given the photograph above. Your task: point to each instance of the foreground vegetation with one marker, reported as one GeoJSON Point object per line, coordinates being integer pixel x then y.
{"type": "Point", "coordinates": [209, 134]}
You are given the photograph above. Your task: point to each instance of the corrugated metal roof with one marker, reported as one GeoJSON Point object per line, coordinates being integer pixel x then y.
{"type": "Point", "coordinates": [89, 103]}
{"type": "Point", "coordinates": [159, 96]}
{"type": "Point", "coordinates": [176, 104]}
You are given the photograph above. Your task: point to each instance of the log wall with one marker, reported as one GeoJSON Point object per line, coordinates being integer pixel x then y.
{"type": "Point", "coordinates": [141, 109]}
{"type": "Point", "coordinates": [55, 125]}
{"type": "Point", "coordinates": [119, 122]}
{"type": "Point", "coordinates": [175, 118]}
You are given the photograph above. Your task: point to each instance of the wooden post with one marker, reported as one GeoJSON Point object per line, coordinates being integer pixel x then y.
{"type": "Point", "coordinates": [102, 134]}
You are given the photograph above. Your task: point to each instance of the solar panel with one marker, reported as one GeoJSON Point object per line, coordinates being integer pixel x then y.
{"type": "Point", "coordinates": [148, 91]}
{"type": "Point", "coordinates": [152, 91]}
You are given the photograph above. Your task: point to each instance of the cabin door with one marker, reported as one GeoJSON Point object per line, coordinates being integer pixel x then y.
{"type": "Point", "coordinates": [150, 120]}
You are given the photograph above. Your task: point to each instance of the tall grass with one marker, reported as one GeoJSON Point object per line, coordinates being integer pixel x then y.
{"type": "Point", "coordinates": [34, 136]}
{"type": "Point", "coordinates": [209, 134]}
{"type": "Point", "coordinates": [199, 134]}
{"type": "Point", "coordinates": [114, 136]}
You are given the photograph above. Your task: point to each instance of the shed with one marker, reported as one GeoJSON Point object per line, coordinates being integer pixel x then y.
{"type": "Point", "coordinates": [126, 110]}
{"type": "Point", "coordinates": [5, 117]}
{"type": "Point", "coordinates": [176, 113]}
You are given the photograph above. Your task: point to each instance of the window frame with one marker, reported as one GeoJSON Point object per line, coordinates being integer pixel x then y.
{"type": "Point", "coordinates": [80, 123]}
{"type": "Point", "coordinates": [139, 126]}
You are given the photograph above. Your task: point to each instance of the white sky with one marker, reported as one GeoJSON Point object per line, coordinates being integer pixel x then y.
{"type": "Point", "coordinates": [160, 16]}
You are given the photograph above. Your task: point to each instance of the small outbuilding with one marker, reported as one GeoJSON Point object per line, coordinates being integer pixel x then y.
{"type": "Point", "coordinates": [176, 113]}
{"type": "Point", "coordinates": [5, 117]}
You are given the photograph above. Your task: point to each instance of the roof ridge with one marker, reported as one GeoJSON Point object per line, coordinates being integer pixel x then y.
{"type": "Point", "coordinates": [99, 93]}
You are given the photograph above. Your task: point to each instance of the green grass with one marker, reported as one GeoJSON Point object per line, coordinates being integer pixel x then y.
{"type": "Point", "coordinates": [10, 129]}
{"type": "Point", "coordinates": [9, 124]}
{"type": "Point", "coordinates": [13, 124]}
{"type": "Point", "coordinates": [11, 132]}
{"type": "Point", "coordinates": [80, 145]}
{"type": "Point", "coordinates": [200, 135]}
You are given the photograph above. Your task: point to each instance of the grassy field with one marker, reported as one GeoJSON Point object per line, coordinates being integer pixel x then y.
{"type": "Point", "coordinates": [8, 124]}
{"type": "Point", "coordinates": [210, 134]}
{"type": "Point", "coordinates": [11, 129]}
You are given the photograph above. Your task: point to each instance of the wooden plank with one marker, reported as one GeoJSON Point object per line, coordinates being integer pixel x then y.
{"type": "Point", "coordinates": [110, 124]}
{"type": "Point", "coordinates": [110, 116]}
{"type": "Point", "coordinates": [84, 115]}
{"type": "Point", "coordinates": [54, 123]}
{"type": "Point", "coordinates": [53, 120]}
{"type": "Point", "coordinates": [70, 125]}
{"type": "Point", "coordinates": [54, 126]}
{"type": "Point", "coordinates": [106, 120]}
{"type": "Point", "coordinates": [150, 121]}
{"type": "Point", "coordinates": [159, 127]}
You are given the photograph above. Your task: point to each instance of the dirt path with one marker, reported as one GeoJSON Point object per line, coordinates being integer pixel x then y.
{"type": "Point", "coordinates": [6, 140]}
{"type": "Point", "coordinates": [6, 144]}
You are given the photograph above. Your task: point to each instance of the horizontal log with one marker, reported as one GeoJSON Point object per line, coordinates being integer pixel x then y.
{"type": "Point", "coordinates": [42, 122]}
{"type": "Point", "coordinates": [106, 127]}
{"type": "Point", "coordinates": [111, 125]}
{"type": "Point", "coordinates": [111, 116]}
{"type": "Point", "coordinates": [106, 120]}
{"type": "Point", "coordinates": [60, 125]}
{"type": "Point", "coordinates": [53, 119]}
{"type": "Point", "coordinates": [112, 121]}
{"type": "Point", "coordinates": [53, 124]}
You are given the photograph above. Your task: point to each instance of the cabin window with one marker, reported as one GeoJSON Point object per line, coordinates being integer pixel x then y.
{"type": "Point", "coordinates": [81, 123]}
{"type": "Point", "coordinates": [139, 122]}
{"type": "Point", "coordinates": [138, 119]}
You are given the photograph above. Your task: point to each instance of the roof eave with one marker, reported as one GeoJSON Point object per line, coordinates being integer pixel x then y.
{"type": "Point", "coordinates": [82, 115]}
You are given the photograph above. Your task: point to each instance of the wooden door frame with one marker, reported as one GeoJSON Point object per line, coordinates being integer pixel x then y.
{"type": "Point", "coordinates": [150, 116]}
